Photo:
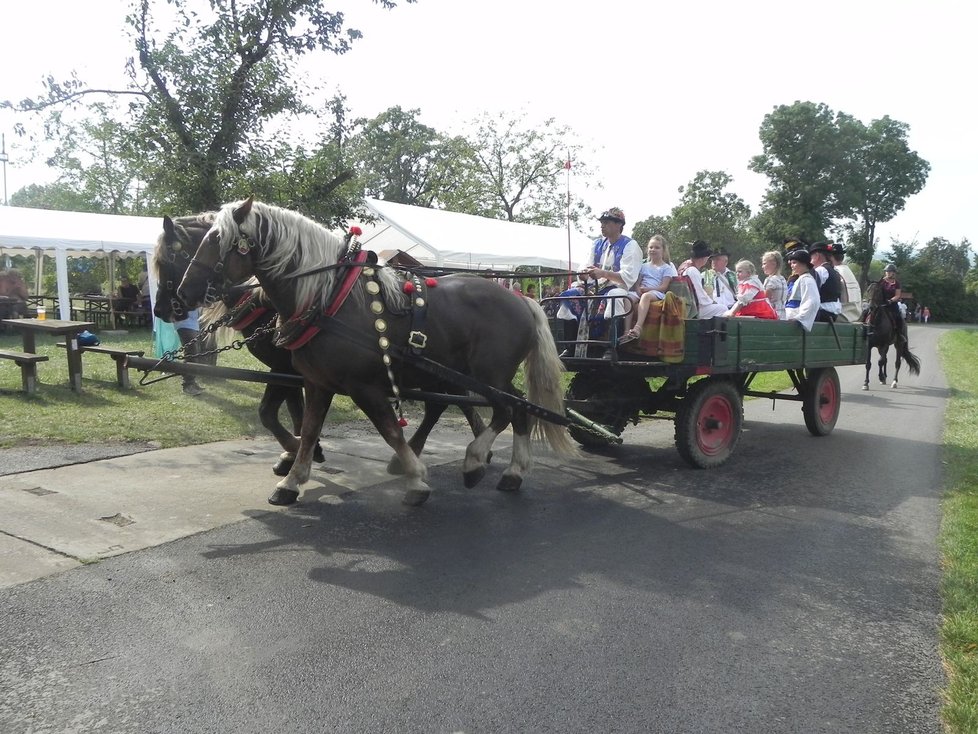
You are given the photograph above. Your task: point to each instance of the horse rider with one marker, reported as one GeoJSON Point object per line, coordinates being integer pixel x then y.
{"type": "Point", "coordinates": [892, 293]}
{"type": "Point", "coordinates": [829, 282]}
{"type": "Point", "coordinates": [851, 297]}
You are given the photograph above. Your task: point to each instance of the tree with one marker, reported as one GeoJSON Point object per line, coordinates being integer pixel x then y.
{"type": "Point", "coordinates": [800, 154]}
{"type": "Point", "coordinates": [517, 171]}
{"type": "Point", "coordinates": [826, 167]}
{"type": "Point", "coordinates": [643, 231]}
{"type": "Point", "coordinates": [876, 174]}
{"type": "Point", "coordinates": [204, 86]}
{"type": "Point", "coordinates": [706, 211]}
{"type": "Point", "coordinates": [402, 160]}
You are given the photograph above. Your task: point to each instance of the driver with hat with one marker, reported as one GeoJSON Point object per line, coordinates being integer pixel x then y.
{"type": "Point", "coordinates": [615, 263]}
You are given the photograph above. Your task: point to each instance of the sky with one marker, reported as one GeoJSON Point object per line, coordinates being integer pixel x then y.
{"type": "Point", "coordinates": [653, 91]}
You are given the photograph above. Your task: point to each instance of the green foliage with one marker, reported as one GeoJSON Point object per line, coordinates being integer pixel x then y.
{"type": "Point", "coordinates": [400, 159]}
{"type": "Point", "coordinates": [938, 275]}
{"type": "Point", "coordinates": [825, 167]}
{"type": "Point", "coordinates": [204, 84]}
{"type": "Point", "coordinates": [643, 231]}
{"type": "Point", "coordinates": [706, 211]}
{"type": "Point", "coordinates": [518, 170]}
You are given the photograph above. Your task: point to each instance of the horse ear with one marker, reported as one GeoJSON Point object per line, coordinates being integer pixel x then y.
{"type": "Point", "coordinates": [242, 212]}
{"type": "Point", "coordinates": [168, 228]}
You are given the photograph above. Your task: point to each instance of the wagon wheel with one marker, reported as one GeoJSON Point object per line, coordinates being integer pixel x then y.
{"type": "Point", "coordinates": [708, 423]}
{"type": "Point", "coordinates": [821, 400]}
{"type": "Point", "coordinates": [598, 391]}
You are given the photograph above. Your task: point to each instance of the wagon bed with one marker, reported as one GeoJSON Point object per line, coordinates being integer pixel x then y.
{"type": "Point", "coordinates": [703, 392]}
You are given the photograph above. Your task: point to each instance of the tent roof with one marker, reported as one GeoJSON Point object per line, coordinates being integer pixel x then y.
{"type": "Point", "coordinates": [450, 239]}
{"type": "Point", "coordinates": [76, 232]}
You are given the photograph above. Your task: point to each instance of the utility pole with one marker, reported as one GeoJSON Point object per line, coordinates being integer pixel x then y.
{"type": "Point", "coordinates": [3, 159]}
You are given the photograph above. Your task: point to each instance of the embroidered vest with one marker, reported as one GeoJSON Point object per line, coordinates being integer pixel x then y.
{"type": "Point", "coordinates": [831, 289]}
{"type": "Point", "coordinates": [601, 246]}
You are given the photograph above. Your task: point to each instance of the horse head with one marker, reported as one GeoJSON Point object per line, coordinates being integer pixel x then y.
{"type": "Point", "coordinates": [178, 243]}
{"type": "Point", "coordinates": [224, 254]}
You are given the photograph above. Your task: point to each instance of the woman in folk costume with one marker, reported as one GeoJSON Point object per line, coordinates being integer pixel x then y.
{"type": "Point", "coordinates": [803, 300]}
{"type": "Point", "coordinates": [751, 297]}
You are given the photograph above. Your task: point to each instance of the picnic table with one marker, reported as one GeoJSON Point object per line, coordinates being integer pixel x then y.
{"type": "Point", "coordinates": [29, 329]}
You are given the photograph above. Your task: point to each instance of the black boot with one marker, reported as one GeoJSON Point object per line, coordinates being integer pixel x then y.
{"type": "Point", "coordinates": [187, 336]}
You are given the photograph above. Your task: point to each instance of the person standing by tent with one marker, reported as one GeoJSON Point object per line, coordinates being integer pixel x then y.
{"type": "Point", "coordinates": [188, 330]}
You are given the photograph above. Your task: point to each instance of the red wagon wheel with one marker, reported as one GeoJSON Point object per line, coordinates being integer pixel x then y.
{"type": "Point", "coordinates": [822, 400]}
{"type": "Point", "coordinates": [708, 423]}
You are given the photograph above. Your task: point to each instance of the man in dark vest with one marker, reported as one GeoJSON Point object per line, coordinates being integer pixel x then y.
{"type": "Point", "coordinates": [829, 282]}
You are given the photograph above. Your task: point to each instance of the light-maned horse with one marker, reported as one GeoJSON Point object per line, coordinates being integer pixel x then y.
{"type": "Point", "coordinates": [883, 334]}
{"type": "Point", "coordinates": [175, 247]}
{"type": "Point", "coordinates": [471, 325]}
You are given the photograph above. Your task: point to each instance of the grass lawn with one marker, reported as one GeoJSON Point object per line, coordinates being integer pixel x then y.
{"type": "Point", "coordinates": [959, 533]}
{"type": "Point", "coordinates": [104, 413]}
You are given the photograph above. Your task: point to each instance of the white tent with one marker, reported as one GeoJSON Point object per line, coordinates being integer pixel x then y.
{"type": "Point", "coordinates": [453, 240]}
{"type": "Point", "coordinates": [59, 234]}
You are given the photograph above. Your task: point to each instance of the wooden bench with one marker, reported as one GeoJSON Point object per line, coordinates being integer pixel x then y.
{"type": "Point", "coordinates": [119, 355]}
{"type": "Point", "coordinates": [28, 367]}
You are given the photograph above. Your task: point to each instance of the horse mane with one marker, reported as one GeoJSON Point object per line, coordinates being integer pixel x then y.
{"type": "Point", "coordinates": [181, 226]}
{"type": "Point", "coordinates": [289, 243]}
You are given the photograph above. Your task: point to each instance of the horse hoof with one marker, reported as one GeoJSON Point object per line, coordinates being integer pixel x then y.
{"type": "Point", "coordinates": [394, 466]}
{"type": "Point", "coordinates": [283, 467]}
{"type": "Point", "coordinates": [509, 483]}
{"type": "Point", "coordinates": [317, 454]}
{"type": "Point", "coordinates": [894, 386]}
{"type": "Point", "coordinates": [416, 497]}
{"type": "Point", "coordinates": [472, 478]}
{"type": "Point", "coordinates": [866, 387]}
{"type": "Point", "coordinates": [282, 497]}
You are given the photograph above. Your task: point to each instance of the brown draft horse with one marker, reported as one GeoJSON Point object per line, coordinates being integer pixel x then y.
{"type": "Point", "coordinates": [179, 241]}
{"type": "Point", "coordinates": [882, 334]}
{"type": "Point", "coordinates": [471, 326]}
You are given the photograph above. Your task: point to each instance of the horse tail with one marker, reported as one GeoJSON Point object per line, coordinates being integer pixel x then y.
{"type": "Point", "coordinates": [542, 371]}
{"type": "Point", "coordinates": [913, 364]}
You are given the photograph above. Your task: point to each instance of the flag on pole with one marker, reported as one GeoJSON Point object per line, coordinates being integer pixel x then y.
{"type": "Point", "coordinates": [567, 165]}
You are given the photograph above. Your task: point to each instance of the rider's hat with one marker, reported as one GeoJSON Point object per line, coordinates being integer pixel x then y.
{"type": "Point", "coordinates": [614, 214]}
{"type": "Point", "coordinates": [699, 249]}
{"type": "Point", "coordinates": [891, 268]}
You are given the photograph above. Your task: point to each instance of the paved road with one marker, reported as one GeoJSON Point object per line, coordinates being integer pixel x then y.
{"type": "Point", "coordinates": [795, 589]}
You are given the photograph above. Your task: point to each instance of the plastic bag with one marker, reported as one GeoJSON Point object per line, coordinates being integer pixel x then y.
{"type": "Point", "coordinates": [88, 339]}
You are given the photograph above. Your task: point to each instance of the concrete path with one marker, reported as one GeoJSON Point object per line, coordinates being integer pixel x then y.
{"type": "Point", "coordinates": [57, 519]}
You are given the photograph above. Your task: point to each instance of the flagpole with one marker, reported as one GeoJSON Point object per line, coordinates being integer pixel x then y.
{"type": "Point", "coordinates": [570, 264]}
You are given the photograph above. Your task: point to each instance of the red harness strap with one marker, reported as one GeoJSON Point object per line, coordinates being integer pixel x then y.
{"type": "Point", "coordinates": [246, 311]}
{"type": "Point", "coordinates": [346, 285]}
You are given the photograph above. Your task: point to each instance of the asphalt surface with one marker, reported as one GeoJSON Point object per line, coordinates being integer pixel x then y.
{"type": "Point", "coordinates": [794, 589]}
